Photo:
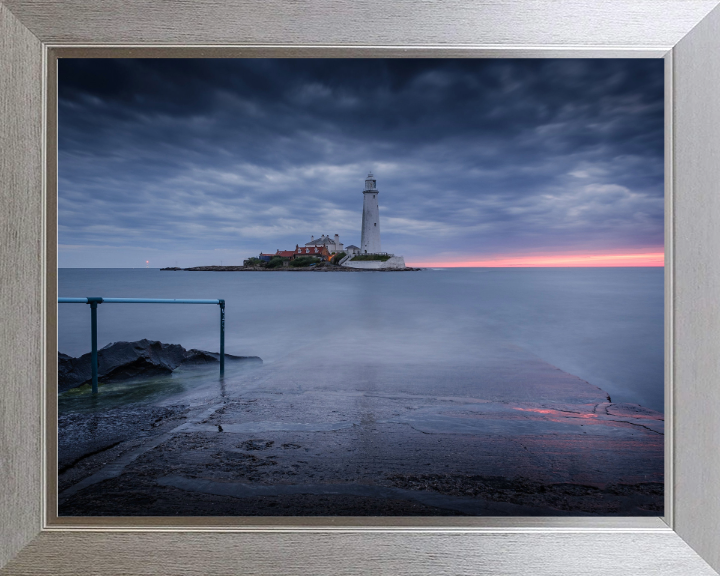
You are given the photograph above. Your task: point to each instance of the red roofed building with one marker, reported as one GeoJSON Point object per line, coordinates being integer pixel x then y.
{"type": "Point", "coordinates": [315, 251]}
{"type": "Point", "coordinates": [285, 253]}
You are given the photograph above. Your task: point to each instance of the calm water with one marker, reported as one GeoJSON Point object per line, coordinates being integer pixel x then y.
{"type": "Point", "coordinates": [604, 325]}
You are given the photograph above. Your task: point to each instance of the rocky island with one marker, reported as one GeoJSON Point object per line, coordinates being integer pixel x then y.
{"type": "Point", "coordinates": [326, 253]}
{"type": "Point", "coordinates": [312, 267]}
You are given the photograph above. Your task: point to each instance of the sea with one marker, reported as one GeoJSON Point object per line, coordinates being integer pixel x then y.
{"type": "Point", "coordinates": [604, 325]}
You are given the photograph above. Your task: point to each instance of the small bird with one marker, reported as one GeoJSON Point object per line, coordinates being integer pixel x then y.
{"type": "Point", "coordinates": [219, 428]}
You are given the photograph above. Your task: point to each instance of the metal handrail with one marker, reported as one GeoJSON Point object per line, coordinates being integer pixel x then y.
{"type": "Point", "coordinates": [95, 300]}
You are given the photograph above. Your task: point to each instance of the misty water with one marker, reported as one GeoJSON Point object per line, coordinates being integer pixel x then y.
{"type": "Point", "coordinates": [604, 325]}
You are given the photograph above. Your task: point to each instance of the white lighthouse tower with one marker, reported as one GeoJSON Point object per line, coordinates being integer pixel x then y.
{"type": "Point", "coordinates": [370, 238]}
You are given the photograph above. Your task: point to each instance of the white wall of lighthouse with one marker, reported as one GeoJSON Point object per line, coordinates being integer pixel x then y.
{"type": "Point", "coordinates": [370, 237]}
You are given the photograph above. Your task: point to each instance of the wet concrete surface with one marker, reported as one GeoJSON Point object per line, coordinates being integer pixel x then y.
{"type": "Point", "coordinates": [492, 432]}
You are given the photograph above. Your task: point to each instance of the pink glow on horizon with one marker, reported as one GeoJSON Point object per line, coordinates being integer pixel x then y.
{"type": "Point", "coordinates": [554, 260]}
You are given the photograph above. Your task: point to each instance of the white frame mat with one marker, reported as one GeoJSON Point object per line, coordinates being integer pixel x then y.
{"type": "Point", "coordinates": [33, 540]}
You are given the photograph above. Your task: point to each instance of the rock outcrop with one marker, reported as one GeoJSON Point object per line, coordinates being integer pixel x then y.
{"type": "Point", "coordinates": [194, 356]}
{"type": "Point", "coordinates": [126, 360]}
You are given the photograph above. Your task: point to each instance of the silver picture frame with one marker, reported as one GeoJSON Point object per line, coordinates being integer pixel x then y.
{"type": "Point", "coordinates": [33, 540]}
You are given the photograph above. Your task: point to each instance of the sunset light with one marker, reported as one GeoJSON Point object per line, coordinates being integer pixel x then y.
{"type": "Point", "coordinates": [554, 261]}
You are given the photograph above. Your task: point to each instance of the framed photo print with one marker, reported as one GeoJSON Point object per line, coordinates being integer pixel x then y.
{"type": "Point", "coordinates": [431, 293]}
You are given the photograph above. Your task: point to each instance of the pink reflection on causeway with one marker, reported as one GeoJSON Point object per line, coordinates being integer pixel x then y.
{"type": "Point", "coordinates": [560, 413]}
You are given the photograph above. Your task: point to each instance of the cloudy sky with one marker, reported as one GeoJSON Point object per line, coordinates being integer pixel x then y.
{"type": "Point", "coordinates": [484, 162]}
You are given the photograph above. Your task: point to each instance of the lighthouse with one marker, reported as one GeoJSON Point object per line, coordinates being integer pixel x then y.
{"type": "Point", "coordinates": [370, 238]}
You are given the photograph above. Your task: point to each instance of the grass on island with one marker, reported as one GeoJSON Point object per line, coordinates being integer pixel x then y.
{"type": "Point", "coordinates": [279, 262]}
{"type": "Point", "coordinates": [276, 261]}
{"type": "Point", "coordinates": [304, 261]}
{"type": "Point", "coordinates": [380, 257]}
{"type": "Point", "coordinates": [337, 257]}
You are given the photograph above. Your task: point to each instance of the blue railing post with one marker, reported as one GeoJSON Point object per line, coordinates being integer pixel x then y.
{"type": "Point", "coordinates": [94, 301]}
{"type": "Point", "coordinates": [222, 336]}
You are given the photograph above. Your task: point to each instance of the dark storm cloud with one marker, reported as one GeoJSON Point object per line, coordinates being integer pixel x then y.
{"type": "Point", "coordinates": [473, 157]}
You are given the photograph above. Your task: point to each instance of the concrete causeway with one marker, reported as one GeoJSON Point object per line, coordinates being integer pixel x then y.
{"type": "Point", "coordinates": [496, 431]}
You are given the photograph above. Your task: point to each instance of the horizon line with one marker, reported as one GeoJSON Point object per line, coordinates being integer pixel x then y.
{"type": "Point", "coordinates": [411, 265]}
{"type": "Point", "coordinates": [645, 260]}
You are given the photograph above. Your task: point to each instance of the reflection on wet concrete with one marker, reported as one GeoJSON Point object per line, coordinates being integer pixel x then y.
{"type": "Point", "coordinates": [187, 384]}
{"type": "Point", "coordinates": [506, 418]}
{"type": "Point", "coordinates": [117, 467]}
{"type": "Point", "coordinates": [364, 434]}
{"type": "Point", "coordinates": [260, 427]}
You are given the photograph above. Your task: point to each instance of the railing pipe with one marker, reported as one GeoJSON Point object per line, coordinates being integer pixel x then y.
{"type": "Point", "coordinates": [158, 301]}
{"type": "Point", "coordinates": [137, 301]}
{"type": "Point", "coordinates": [94, 360]}
{"type": "Point", "coordinates": [222, 337]}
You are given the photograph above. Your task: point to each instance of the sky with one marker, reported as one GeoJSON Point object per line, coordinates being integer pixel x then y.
{"type": "Point", "coordinates": [479, 162]}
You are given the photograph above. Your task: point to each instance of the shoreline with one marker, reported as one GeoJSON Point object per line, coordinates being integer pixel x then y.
{"type": "Point", "coordinates": [330, 268]}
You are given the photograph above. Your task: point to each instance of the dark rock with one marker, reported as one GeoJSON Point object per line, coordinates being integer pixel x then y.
{"type": "Point", "coordinates": [193, 357]}
{"type": "Point", "coordinates": [72, 372]}
{"type": "Point", "coordinates": [120, 361]}
{"type": "Point", "coordinates": [219, 268]}
{"type": "Point", "coordinates": [126, 360]}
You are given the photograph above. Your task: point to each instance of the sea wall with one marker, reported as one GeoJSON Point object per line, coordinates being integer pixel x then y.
{"type": "Point", "coordinates": [394, 263]}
